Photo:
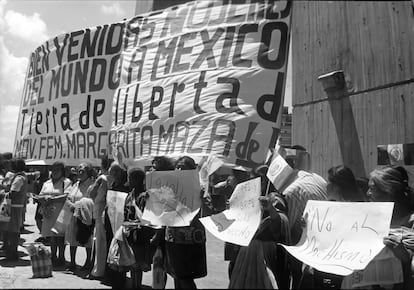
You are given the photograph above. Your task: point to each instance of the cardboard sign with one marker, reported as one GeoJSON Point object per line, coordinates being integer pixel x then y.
{"type": "Point", "coordinates": [341, 237]}
{"type": "Point", "coordinates": [174, 197]}
{"type": "Point", "coordinates": [115, 201]}
{"type": "Point", "coordinates": [239, 223]}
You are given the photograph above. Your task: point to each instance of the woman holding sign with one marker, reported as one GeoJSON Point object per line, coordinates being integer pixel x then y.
{"type": "Point", "coordinates": [51, 199]}
{"type": "Point", "coordinates": [185, 247]}
{"type": "Point", "coordinates": [263, 253]}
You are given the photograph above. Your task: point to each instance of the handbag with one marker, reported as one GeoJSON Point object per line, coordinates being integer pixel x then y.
{"type": "Point", "coordinates": [120, 255]}
{"type": "Point", "coordinates": [5, 208]}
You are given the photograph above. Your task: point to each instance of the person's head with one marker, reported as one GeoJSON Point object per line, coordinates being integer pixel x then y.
{"type": "Point", "coordinates": [390, 184]}
{"type": "Point", "coordinates": [84, 171]}
{"type": "Point", "coordinates": [58, 170]}
{"type": "Point", "coordinates": [18, 165]}
{"type": "Point", "coordinates": [342, 185]}
{"type": "Point", "coordinates": [136, 179]}
{"type": "Point", "coordinates": [118, 173]}
{"type": "Point", "coordinates": [185, 163]}
{"type": "Point", "coordinates": [163, 163]}
{"type": "Point", "coordinates": [297, 157]}
{"type": "Point", "coordinates": [106, 163]}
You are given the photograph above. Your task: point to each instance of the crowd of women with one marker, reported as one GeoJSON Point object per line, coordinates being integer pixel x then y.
{"type": "Point", "coordinates": [184, 248]}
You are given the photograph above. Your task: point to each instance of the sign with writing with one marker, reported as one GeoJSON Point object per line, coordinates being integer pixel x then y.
{"type": "Point", "coordinates": [206, 77]}
{"type": "Point", "coordinates": [66, 107]}
{"type": "Point", "coordinates": [279, 171]}
{"type": "Point", "coordinates": [174, 197]}
{"type": "Point", "coordinates": [115, 201]}
{"type": "Point", "coordinates": [239, 223]}
{"type": "Point", "coordinates": [341, 237]}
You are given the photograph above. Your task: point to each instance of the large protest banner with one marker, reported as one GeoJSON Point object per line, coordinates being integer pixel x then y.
{"type": "Point", "coordinates": [174, 197]}
{"type": "Point", "coordinates": [341, 237]}
{"type": "Point", "coordinates": [66, 107]}
{"type": "Point", "coordinates": [205, 77]}
{"type": "Point", "coordinates": [239, 223]}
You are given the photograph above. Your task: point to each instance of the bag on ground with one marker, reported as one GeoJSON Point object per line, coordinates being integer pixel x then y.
{"type": "Point", "coordinates": [41, 260]}
{"type": "Point", "coordinates": [5, 207]}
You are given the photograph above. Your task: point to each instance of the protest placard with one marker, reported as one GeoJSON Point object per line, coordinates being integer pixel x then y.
{"type": "Point", "coordinates": [115, 201]}
{"type": "Point", "coordinates": [174, 197]}
{"type": "Point", "coordinates": [206, 77]}
{"type": "Point", "coordinates": [239, 223]}
{"type": "Point", "coordinates": [341, 237]}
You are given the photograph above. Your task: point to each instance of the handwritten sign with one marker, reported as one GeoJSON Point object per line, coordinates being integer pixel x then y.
{"type": "Point", "coordinates": [174, 197]}
{"type": "Point", "coordinates": [341, 237]}
{"type": "Point", "coordinates": [279, 171]}
{"type": "Point", "coordinates": [115, 201]}
{"type": "Point", "coordinates": [239, 223]}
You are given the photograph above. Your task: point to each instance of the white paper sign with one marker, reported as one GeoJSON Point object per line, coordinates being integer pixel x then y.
{"type": "Point", "coordinates": [116, 202]}
{"type": "Point", "coordinates": [239, 223]}
{"type": "Point", "coordinates": [341, 237]}
{"type": "Point", "coordinates": [174, 197]}
{"type": "Point", "coordinates": [279, 171]}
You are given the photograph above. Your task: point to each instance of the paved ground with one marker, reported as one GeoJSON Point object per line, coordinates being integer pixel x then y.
{"type": "Point", "coordinates": [19, 274]}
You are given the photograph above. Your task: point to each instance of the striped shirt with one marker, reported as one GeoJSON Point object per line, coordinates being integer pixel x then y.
{"type": "Point", "coordinates": [306, 186]}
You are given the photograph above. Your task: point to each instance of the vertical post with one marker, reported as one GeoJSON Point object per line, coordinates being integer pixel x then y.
{"type": "Point", "coordinates": [343, 116]}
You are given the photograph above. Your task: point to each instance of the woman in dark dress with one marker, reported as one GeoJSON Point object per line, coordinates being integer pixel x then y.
{"type": "Point", "coordinates": [185, 247]}
{"type": "Point", "coordinates": [139, 236]}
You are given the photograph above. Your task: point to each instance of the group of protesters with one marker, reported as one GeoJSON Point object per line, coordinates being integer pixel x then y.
{"type": "Point", "coordinates": [181, 251]}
